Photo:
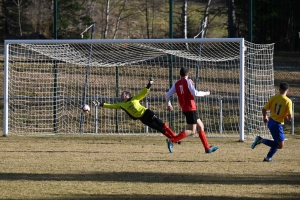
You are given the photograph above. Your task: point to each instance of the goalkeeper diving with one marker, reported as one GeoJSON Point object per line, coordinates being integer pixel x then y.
{"type": "Point", "coordinates": [131, 105]}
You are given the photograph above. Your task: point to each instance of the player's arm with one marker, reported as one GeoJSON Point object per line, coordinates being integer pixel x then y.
{"type": "Point", "coordinates": [106, 105]}
{"type": "Point", "coordinates": [168, 96]}
{"type": "Point", "coordinates": [194, 91]}
{"type": "Point", "coordinates": [289, 115]}
{"type": "Point", "coordinates": [111, 106]}
{"type": "Point", "coordinates": [265, 117]}
{"type": "Point", "coordinates": [265, 109]}
{"type": "Point", "coordinates": [141, 95]}
{"type": "Point", "coordinates": [144, 91]}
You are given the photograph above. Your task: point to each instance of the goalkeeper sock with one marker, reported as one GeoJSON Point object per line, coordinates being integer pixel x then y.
{"type": "Point", "coordinates": [203, 139]}
{"type": "Point", "coordinates": [169, 133]}
{"type": "Point", "coordinates": [178, 137]}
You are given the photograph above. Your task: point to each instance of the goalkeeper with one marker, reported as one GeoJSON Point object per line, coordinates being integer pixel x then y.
{"type": "Point", "coordinates": [131, 105]}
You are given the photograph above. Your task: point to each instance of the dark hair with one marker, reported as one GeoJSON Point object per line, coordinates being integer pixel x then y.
{"type": "Point", "coordinates": [284, 86]}
{"type": "Point", "coordinates": [184, 71]}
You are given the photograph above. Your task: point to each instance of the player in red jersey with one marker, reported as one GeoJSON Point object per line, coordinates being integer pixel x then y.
{"type": "Point", "coordinates": [186, 93]}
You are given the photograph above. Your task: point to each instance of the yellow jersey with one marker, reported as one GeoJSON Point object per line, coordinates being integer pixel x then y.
{"type": "Point", "coordinates": [280, 106]}
{"type": "Point", "coordinates": [132, 105]}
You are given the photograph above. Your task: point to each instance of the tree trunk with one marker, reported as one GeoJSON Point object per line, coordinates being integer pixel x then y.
{"type": "Point", "coordinates": [184, 18]}
{"type": "Point", "coordinates": [204, 30]}
{"type": "Point", "coordinates": [19, 9]}
{"type": "Point", "coordinates": [147, 19]}
{"type": "Point", "coordinates": [231, 20]}
{"type": "Point", "coordinates": [119, 19]}
{"type": "Point", "coordinates": [106, 18]}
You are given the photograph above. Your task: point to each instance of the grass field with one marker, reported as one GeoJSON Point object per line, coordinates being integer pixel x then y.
{"type": "Point", "coordinates": [132, 167]}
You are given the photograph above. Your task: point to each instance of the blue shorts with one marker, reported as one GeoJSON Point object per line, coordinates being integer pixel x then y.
{"type": "Point", "coordinates": [276, 130]}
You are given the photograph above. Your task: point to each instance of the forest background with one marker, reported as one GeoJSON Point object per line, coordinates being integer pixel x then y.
{"type": "Point", "coordinates": [272, 21]}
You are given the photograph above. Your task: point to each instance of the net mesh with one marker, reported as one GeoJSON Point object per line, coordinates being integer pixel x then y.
{"type": "Point", "coordinates": [48, 82]}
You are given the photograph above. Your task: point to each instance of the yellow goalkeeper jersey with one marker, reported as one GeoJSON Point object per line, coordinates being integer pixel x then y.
{"type": "Point", "coordinates": [131, 106]}
{"type": "Point", "coordinates": [280, 106]}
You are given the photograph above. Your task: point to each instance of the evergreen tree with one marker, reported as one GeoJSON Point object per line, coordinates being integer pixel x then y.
{"type": "Point", "coordinates": [71, 13]}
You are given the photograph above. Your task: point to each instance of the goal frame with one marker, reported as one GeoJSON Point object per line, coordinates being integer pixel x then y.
{"type": "Point", "coordinates": [202, 40]}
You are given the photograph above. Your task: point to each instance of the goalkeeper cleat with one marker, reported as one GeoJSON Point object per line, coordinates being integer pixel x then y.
{"type": "Point", "coordinates": [170, 145]}
{"type": "Point", "coordinates": [256, 142]}
{"type": "Point", "coordinates": [212, 149]}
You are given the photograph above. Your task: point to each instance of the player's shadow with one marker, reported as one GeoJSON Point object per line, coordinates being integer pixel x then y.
{"type": "Point", "coordinates": [287, 196]}
{"type": "Point", "coordinates": [190, 161]}
{"type": "Point", "coordinates": [292, 178]}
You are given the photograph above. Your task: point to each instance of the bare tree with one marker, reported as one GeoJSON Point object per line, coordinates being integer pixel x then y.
{"type": "Point", "coordinates": [232, 33]}
{"type": "Point", "coordinates": [184, 22]}
{"type": "Point", "coordinates": [150, 9]}
{"type": "Point", "coordinates": [205, 20]}
{"type": "Point", "coordinates": [147, 18]}
{"type": "Point", "coordinates": [40, 16]}
{"type": "Point", "coordinates": [184, 18]}
{"type": "Point", "coordinates": [18, 3]}
{"type": "Point", "coordinates": [90, 7]}
{"type": "Point", "coordinates": [106, 18]}
{"type": "Point", "coordinates": [143, 7]}
{"type": "Point", "coordinates": [119, 18]}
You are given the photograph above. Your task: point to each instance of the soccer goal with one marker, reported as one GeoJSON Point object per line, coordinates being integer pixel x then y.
{"type": "Point", "coordinates": [47, 81]}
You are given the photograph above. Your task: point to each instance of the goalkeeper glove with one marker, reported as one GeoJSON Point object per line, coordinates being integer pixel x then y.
{"type": "Point", "coordinates": [97, 103]}
{"type": "Point", "coordinates": [151, 81]}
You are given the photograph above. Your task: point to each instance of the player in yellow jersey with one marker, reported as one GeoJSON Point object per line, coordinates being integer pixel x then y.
{"type": "Point", "coordinates": [136, 111]}
{"type": "Point", "coordinates": [280, 107]}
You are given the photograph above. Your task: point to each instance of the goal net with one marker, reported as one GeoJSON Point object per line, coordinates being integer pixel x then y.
{"type": "Point", "coordinates": [47, 81]}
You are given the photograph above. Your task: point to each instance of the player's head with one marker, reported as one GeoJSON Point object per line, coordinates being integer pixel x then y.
{"type": "Point", "coordinates": [125, 95]}
{"type": "Point", "coordinates": [184, 71]}
{"type": "Point", "coordinates": [283, 87]}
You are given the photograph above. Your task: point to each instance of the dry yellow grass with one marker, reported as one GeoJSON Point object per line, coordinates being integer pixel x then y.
{"type": "Point", "coordinates": [140, 167]}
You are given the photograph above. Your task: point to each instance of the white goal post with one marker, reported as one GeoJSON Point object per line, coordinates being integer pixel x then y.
{"type": "Point", "coordinates": [46, 81]}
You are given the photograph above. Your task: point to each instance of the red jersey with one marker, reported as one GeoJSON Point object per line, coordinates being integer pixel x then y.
{"type": "Point", "coordinates": [185, 97]}
{"type": "Point", "coordinates": [186, 92]}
